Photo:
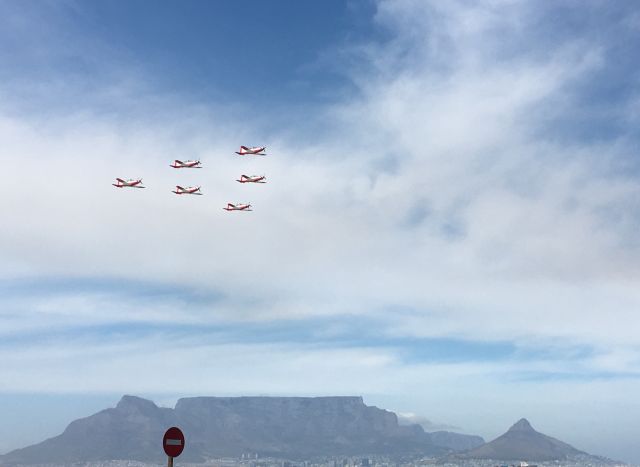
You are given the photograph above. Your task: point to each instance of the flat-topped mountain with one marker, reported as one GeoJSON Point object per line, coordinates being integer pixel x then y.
{"type": "Point", "coordinates": [287, 427]}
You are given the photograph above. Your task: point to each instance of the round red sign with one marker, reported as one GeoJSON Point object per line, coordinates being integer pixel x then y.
{"type": "Point", "coordinates": [173, 442]}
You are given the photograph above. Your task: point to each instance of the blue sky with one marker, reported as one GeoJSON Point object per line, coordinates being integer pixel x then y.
{"type": "Point", "coordinates": [449, 228]}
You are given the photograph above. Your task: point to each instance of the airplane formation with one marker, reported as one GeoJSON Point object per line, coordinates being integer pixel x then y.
{"type": "Point", "coordinates": [195, 190]}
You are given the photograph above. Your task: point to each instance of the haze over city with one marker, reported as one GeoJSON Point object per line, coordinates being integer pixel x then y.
{"type": "Point", "coordinates": [449, 227]}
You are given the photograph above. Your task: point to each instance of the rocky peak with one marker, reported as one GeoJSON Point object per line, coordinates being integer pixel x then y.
{"type": "Point", "coordinates": [136, 404]}
{"type": "Point", "coordinates": [521, 441]}
{"type": "Point", "coordinates": [522, 425]}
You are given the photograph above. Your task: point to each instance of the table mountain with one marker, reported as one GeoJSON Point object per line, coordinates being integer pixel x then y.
{"type": "Point", "coordinates": [286, 427]}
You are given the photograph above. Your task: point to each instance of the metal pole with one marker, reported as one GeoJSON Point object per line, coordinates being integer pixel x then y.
{"type": "Point", "coordinates": [169, 461]}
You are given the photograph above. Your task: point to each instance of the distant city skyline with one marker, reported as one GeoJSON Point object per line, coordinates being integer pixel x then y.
{"type": "Point", "coordinates": [449, 227]}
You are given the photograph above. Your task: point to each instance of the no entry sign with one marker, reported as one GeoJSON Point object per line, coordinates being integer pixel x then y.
{"type": "Point", "coordinates": [173, 442]}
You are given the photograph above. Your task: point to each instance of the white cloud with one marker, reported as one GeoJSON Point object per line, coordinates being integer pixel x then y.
{"type": "Point", "coordinates": [492, 230]}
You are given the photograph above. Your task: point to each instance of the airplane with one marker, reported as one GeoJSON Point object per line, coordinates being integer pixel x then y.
{"type": "Point", "coordinates": [128, 183]}
{"type": "Point", "coordinates": [186, 164]}
{"type": "Point", "coordinates": [190, 190]}
{"type": "Point", "coordinates": [254, 151]}
{"type": "Point", "coordinates": [237, 207]}
{"type": "Point", "coordinates": [252, 179]}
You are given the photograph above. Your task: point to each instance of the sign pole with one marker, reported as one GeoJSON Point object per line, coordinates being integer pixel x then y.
{"type": "Point", "coordinates": [169, 461]}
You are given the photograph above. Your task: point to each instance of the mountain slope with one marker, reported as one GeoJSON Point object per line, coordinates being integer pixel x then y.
{"type": "Point", "coordinates": [455, 441]}
{"type": "Point", "coordinates": [132, 427]}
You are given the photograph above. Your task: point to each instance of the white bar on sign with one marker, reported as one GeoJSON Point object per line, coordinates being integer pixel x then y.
{"type": "Point", "coordinates": [174, 442]}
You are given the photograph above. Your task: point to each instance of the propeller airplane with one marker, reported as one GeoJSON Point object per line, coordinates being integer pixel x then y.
{"type": "Point", "coordinates": [252, 179]}
{"type": "Point", "coordinates": [177, 164]}
{"type": "Point", "coordinates": [128, 183]}
{"type": "Point", "coordinates": [237, 207]}
{"type": "Point", "coordinates": [253, 151]}
{"type": "Point", "coordinates": [190, 190]}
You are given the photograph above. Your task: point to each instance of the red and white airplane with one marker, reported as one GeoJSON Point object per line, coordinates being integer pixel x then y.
{"type": "Point", "coordinates": [254, 151]}
{"type": "Point", "coordinates": [186, 164]}
{"type": "Point", "coordinates": [237, 207]}
{"type": "Point", "coordinates": [128, 183]}
{"type": "Point", "coordinates": [190, 190]}
{"type": "Point", "coordinates": [252, 179]}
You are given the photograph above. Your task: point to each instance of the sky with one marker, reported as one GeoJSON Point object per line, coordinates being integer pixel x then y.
{"type": "Point", "coordinates": [449, 227]}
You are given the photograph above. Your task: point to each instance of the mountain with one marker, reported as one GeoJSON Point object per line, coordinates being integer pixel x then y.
{"type": "Point", "coordinates": [455, 441]}
{"type": "Point", "coordinates": [286, 427]}
{"type": "Point", "coordinates": [522, 442]}
{"type": "Point", "coordinates": [132, 429]}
